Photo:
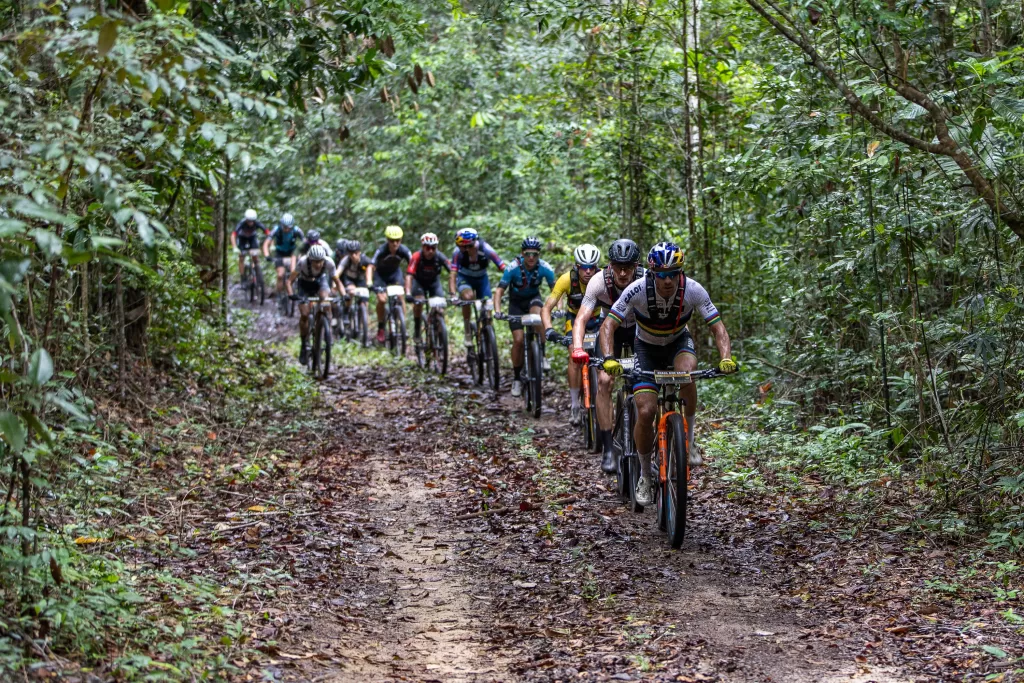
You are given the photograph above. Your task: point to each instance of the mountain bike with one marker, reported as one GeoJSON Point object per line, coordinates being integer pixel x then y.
{"type": "Point", "coordinates": [533, 383]}
{"type": "Point", "coordinates": [433, 352]}
{"type": "Point", "coordinates": [252, 278]}
{"type": "Point", "coordinates": [483, 356]}
{"type": "Point", "coordinates": [670, 456]}
{"type": "Point", "coordinates": [319, 359]}
{"type": "Point", "coordinates": [355, 311]}
{"type": "Point", "coordinates": [396, 335]}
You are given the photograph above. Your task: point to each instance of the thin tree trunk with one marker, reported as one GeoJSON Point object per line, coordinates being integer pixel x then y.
{"type": "Point", "coordinates": [122, 350]}
{"type": "Point", "coordinates": [224, 241]}
{"type": "Point", "coordinates": [691, 213]}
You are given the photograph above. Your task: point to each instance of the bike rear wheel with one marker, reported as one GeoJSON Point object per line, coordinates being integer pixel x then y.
{"type": "Point", "coordinates": [673, 493]}
{"type": "Point", "coordinates": [589, 421]}
{"type": "Point", "coordinates": [250, 283]}
{"type": "Point", "coordinates": [314, 355]}
{"type": "Point", "coordinates": [439, 342]}
{"type": "Point", "coordinates": [629, 463]}
{"type": "Point", "coordinates": [490, 358]}
{"type": "Point", "coordinates": [536, 371]}
{"type": "Point", "coordinates": [424, 357]}
{"type": "Point", "coordinates": [260, 283]}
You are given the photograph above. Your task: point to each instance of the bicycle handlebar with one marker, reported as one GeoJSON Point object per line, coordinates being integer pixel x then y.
{"type": "Point", "coordinates": [671, 377]}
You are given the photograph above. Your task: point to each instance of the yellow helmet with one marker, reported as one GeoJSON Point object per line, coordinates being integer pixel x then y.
{"type": "Point", "coordinates": [393, 232]}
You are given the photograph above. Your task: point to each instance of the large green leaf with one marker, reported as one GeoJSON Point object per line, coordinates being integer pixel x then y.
{"type": "Point", "coordinates": [13, 431]}
{"type": "Point", "coordinates": [40, 369]}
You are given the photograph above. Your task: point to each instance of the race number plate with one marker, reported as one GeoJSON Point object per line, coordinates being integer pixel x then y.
{"type": "Point", "coordinates": [672, 377]}
{"type": "Point", "coordinates": [396, 290]}
{"type": "Point", "coordinates": [590, 341]}
{"type": "Point", "coordinates": [627, 364]}
{"type": "Point", "coordinates": [437, 302]}
{"type": "Point", "coordinates": [531, 319]}
{"type": "Point", "coordinates": [362, 293]}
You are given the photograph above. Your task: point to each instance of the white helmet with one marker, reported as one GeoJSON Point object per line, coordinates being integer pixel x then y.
{"type": "Point", "coordinates": [318, 252]}
{"type": "Point", "coordinates": [587, 255]}
{"type": "Point", "coordinates": [287, 220]}
{"type": "Point", "coordinates": [250, 214]}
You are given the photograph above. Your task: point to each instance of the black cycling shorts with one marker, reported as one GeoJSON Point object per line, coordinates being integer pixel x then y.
{"type": "Point", "coordinates": [309, 288]}
{"type": "Point", "coordinates": [392, 278]}
{"type": "Point", "coordinates": [521, 306]}
{"type": "Point", "coordinates": [651, 357]}
{"type": "Point", "coordinates": [283, 261]}
{"type": "Point", "coordinates": [622, 339]}
{"type": "Point", "coordinates": [245, 243]}
{"type": "Point", "coordinates": [432, 289]}
{"type": "Point", "coordinates": [354, 281]}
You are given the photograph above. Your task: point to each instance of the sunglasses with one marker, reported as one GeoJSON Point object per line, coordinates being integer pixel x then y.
{"type": "Point", "coordinates": [587, 269]}
{"type": "Point", "coordinates": [427, 247]}
{"type": "Point", "coordinates": [528, 254]}
{"type": "Point", "coordinates": [394, 241]}
{"type": "Point", "coordinates": [666, 274]}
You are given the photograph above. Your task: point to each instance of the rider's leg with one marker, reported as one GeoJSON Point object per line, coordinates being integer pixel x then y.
{"type": "Point", "coordinates": [646, 400]}
{"type": "Point", "coordinates": [575, 382]}
{"type": "Point", "coordinates": [605, 382]}
{"type": "Point", "coordinates": [687, 362]}
{"type": "Point", "coordinates": [517, 353]}
{"type": "Point", "coordinates": [280, 279]}
{"type": "Point", "coordinates": [241, 266]}
{"type": "Point", "coordinates": [304, 322]}
{"type": "Point", "coordinates": [382, 299]}
{"type": "Point", "coordinates": [466, 293]}
{"type": "Point", "coordinates": [417, 311]}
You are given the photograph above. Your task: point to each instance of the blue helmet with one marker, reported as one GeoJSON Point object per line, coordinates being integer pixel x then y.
{"type": "Point", "coordinates": [466, 237]}
{"type": "Point", "coordinates": [665, 256]}
{"type": "Point", "coordinates": [531, 243]}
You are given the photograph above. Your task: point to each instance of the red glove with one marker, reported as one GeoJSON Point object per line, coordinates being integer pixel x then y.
{"type": "Point", "coordinates": [580, 357]}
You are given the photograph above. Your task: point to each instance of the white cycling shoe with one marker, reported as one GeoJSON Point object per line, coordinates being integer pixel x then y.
{"type": "Point", "coordinates": [693, 455]}
{"type": "Point", "coordinates": [517, 388]}
{"type": "Point", "coordinates": [644, 492]}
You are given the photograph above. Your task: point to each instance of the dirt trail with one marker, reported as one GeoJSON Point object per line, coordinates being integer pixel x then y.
{"type": "Point", "coordinates": [583, 590]}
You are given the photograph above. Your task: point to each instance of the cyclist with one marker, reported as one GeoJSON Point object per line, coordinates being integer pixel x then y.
{"type": "Point", "coordinates": [602, 292]}
{"type": "Point", "coordinates": [352, 267]}
{"type": "Point", "coordinates": [316, 275]}
{"type": "Point", "coordinates": [341, 250]}
{"type": "Point", "coordinates": [469, 272]}
{"type": "Point", "coordinates": [385, 269]}
{"type": "Point", "coordinates": [423, 277]}
{"type": "Point", "coordinates": [572, 285]}
{"type": "Point", "coordinates": [663, 302]}
{"type": "Point", "coordinates": [311, 239]}
{"type": "Point", "coordinates": [522, 281]}
{"type": "Point", "coordinates": [245, 237]}
{"type": "Point", "coordinates": [285, 237]}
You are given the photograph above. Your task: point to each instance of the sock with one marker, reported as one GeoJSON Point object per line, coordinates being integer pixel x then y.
{"type": "Point", "coordinates": [517, 372]}
{"type": "Point", "coordinates": [380, 325]}
{"type": "Point", "coordinates": [604, 437]}
{"type": "Point", "coordinates": [645, 464]}
{"type": "Point", "coordinates": [575, 395]}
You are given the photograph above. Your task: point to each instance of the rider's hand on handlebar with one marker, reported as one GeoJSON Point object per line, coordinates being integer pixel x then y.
{"type": "Point", "coordinates": [498, 315]}
{"type": "Point", "coordinates": [612, 367]}
{"type": "Point", "coordinates": [551, 335]}
{"type": "Point", "coordinates": [580, 357]}
{"type": "Point", "coordinates": [727, 366]}
{"type": "Point", "coordinates": [379, 290]}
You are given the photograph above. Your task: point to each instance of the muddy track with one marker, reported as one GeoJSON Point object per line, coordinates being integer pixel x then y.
{"type": "Point", "coordinates": [561, 583]}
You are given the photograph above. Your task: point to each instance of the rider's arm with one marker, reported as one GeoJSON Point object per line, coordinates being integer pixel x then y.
{"type": "Point", "coordinates": [579, 327]}
{"type": "Point", "coordinates": [498, 291]}
{"type": "Point", "coordinates": [607, 336]}
{"type": "Point", "coordinates": [491, 254]}
{"type": "Point", "coordinates": [369, 276]}
{"type": "Point", "coordinates": [408, 284]}
{"type": "Point", "coordinates": [722, 341]}
{"type": "Point", "coordinates": [234, 238]}
{"type": "Point", "coordinates": [266, 246]}
{"type": "Point", "coordinates": [556, 295]}
{"type": "Point", "coordinates": [292, 277]}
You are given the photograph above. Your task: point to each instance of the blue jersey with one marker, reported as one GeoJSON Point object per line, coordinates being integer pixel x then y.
{"type": "Point", "coordinates": [521, 283]}
{"type": "Point", "coordinates": [285, 241]}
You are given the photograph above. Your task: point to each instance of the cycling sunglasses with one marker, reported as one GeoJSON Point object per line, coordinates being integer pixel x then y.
{"type": "Point", "coordinates": [528, 254]}
{"type": "Point", "coordinates": [666, 274]}
{"type": "Point", "coordinates": [427, 247]}
{"type": "Point", "coordinates": [587, 268]}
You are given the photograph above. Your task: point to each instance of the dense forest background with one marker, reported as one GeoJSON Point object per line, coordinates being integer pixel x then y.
{"type": "Point", "coordinates": [844, 176]}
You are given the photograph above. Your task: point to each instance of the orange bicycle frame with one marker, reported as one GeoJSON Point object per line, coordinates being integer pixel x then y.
{"type": "Point", "coordinates": [586, 385]}
{"type": "Point", "coordinates": [663, 446]}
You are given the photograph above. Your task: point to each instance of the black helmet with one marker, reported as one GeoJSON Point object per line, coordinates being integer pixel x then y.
{"type": "Point", "coordinates": [341, 246]}
{"type": "Point", "coordinates": [354, 245]}
{"type": "Point", "coordinates": [313, 236]}
{"type": "Point", "coordinates": [624, 251]}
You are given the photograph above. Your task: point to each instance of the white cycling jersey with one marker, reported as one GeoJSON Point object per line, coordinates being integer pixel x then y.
{"type": "Point", "coordinates": [305, 270]}
{"type": "Point", "coordinates": [598, 295]}
{"type": "Point", "coordinates": [668, 322]}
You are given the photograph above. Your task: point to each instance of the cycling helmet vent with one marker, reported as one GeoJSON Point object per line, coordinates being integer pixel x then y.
{"type": "Point", "coordinates": [665, 256]}
{"type": "Point", "coordinates": [531, 243]}
{"type": "Point", "coordinates": [318, 252]}
{"type": "Point", "coordinates": [393, 232]}
{"type": "Point", "coordinates": [587, 255]}
{"type": "Point", "coordinates": [624, 251]}
{"type": "Point", "coordinates": [287, 220]}
{"type": "Point", "coordinates": [250, 214]}
{"type": "Point", "coordinates": [429, 239]}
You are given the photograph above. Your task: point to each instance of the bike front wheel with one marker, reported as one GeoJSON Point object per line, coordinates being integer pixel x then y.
{"type": "Point", "coordinates": [490, 357]}
{"type": "Point", "coordinates": [673, 494]}
{"type": "Point", "coordinates": [439, 344]}
{"type": "Point", "coordinates": [261, 284]}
